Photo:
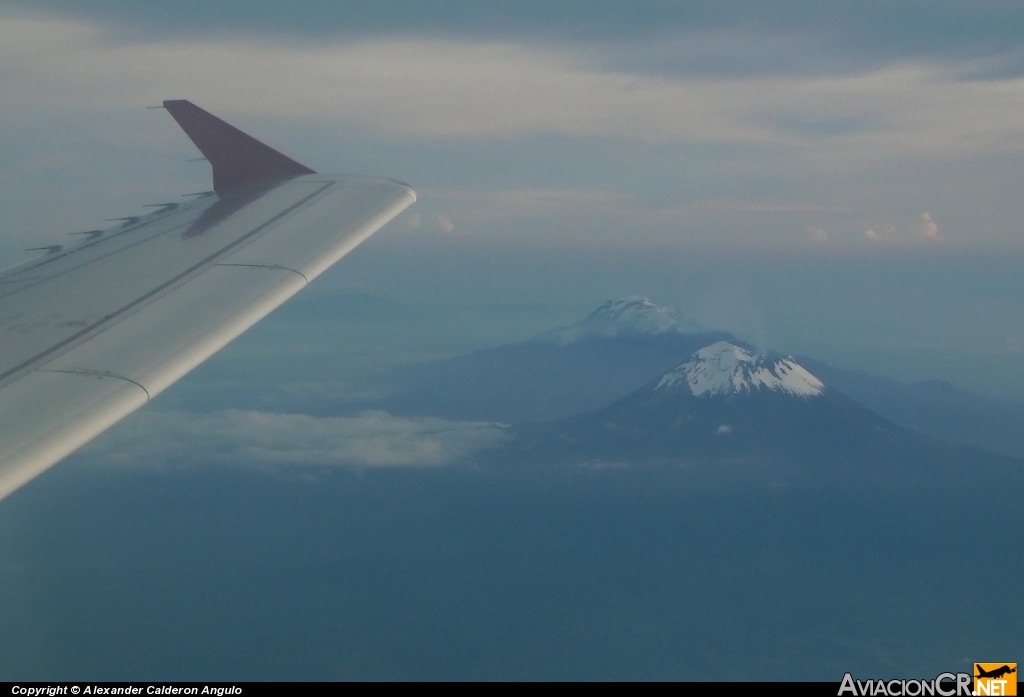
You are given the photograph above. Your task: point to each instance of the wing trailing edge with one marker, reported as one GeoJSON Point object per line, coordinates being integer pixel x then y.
{"type": "Point", "coordinates": [239, 161]}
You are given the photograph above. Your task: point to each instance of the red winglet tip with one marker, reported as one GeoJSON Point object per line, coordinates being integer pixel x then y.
{"type": "Point", "coordinates": [239, 161]}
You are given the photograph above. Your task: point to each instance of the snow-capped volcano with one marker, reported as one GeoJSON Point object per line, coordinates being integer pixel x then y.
{"type": "Point", "coordinates": [629, 316]}
{"type": "Point", "coordinates": [724, 368]}
{"type": "Point", "coordinates": [727, 402]}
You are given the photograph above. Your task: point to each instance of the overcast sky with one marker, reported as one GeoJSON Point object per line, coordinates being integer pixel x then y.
{"type": "Point", "coordinates": [784, 124]}
{"type": "Point", "coordinates": [881, 139]}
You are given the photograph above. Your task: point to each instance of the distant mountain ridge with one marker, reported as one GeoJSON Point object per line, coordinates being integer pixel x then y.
{"type": "Point", "coordinates": [581, 367]}
{"type": "Point", "coordinates": [631, 316]}
{"type": "Point", "coordinates": [625, 343]}
{"type": "Point", "coordinates": [934, 407]}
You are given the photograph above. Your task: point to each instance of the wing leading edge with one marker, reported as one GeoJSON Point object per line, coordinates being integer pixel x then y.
{"type": "Point", "coordinates": [89, 333]}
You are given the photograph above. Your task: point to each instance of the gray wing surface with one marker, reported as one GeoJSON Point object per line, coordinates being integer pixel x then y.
{"type": "Point", "coordinates": [91, 332]}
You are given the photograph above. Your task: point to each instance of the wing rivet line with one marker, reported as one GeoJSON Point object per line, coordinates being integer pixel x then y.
{"type": "Point", "coordinates": [208, 262]}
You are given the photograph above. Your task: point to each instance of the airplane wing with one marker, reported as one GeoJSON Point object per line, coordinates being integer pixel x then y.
{"type": "Point", "coordinates": [92, 331]}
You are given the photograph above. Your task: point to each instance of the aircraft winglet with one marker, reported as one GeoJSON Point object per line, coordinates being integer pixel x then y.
{"type": "Point", "coordinates": [239, 160]}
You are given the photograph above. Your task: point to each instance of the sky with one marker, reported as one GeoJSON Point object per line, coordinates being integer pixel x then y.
{"type": "Point", "coordinates": [750, 163]}
{"type": "Point", "coordinates": [729, 125]}
{"type": "Point", "coordinates": [839, 180]}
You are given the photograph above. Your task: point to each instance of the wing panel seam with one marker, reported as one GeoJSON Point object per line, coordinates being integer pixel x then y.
{"type": "Point", "coordinates": [96, 374]}
{"type": "Point", "coordinates": [272, 267]}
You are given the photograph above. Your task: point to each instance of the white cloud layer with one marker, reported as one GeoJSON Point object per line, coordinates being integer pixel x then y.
{"type": "Point", "coordinates": [471, 88]}
{"type": "Point", "coordinates": [157, 438]}
{"type": "Point", "coordinates": [572, 135]}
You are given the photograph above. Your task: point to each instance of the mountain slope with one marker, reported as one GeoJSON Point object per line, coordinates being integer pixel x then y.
{"type": "Point", "coordinates": [934, 408]}
{"type": "Point", "coordinates": [577, 368]}
{"type": "Point", "coordinates": [724, 402]}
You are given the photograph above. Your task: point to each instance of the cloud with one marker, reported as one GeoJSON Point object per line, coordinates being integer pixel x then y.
{"type": "Point", "coordinates": [663, 151]}
{"type": "Point", "coordinates": [601, 465]}
{"type": "Point", "coordinates": [924, 229]}
{"type": "Point", "coordinates": [469, 88]}
{"type": "Point", "coordinates": [445, 225]}
{"type": "Point", "coordinates": [478, 205]}
{"type": "Point", "coordinates": [927, 228]}
{"type": "Point", "coordinates": [607, 204]}
{"type": "Point", "coordinates": [818, 234]}
{"type": "Point", "coordinates": [442, 223]}
{"type": "Point", "coordinates": [241, 437]}
{"type": "Point", "coordinates": [887, 234]}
